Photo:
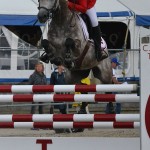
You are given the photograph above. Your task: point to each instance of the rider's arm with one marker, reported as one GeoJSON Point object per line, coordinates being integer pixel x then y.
{"type": "Point", "coordinates": [81, 7]}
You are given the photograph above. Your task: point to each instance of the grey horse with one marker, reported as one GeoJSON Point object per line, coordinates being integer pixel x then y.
{"type": "Point", "coordinates": [67, 44]}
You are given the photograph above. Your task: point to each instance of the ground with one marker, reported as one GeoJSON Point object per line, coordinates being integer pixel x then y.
{"type": "Point", "coordinates": [86, 133]}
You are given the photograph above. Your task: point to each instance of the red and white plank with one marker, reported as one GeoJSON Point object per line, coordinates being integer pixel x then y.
{"type": "Point", "coordinates": [70, 98]}
{"type": "Point", "coordinates": [67, 88]}
{"type": "Point", "coordinates": [59, 125]}
{"type": "Point", "coordinates": [70, 117]}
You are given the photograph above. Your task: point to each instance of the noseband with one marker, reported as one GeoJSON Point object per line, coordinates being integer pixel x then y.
{"type": "Point", "coordinates": [50, 11]}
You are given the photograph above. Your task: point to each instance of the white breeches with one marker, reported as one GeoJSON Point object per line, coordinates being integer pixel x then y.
{"type": "Point", "coordinates": [93, 17]}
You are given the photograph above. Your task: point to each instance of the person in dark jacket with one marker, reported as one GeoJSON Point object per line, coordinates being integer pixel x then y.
{"type": "Point", "coordinates": [38, 78]}
{"type": "Point", "coordinates": [58, 78]}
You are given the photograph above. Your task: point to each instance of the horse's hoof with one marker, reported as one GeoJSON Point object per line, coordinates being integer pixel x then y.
{"type": "Point", "coordinates": [45, 45]}
{"type": "Point", "coordinates": [44, 57]}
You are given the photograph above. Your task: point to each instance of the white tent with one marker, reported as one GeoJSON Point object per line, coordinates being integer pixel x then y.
{"type": "Point", "coordinates": [125, 8]}
{"type": "Point", "coordinates": [141, 9]}
{"type": "Point", "coordinates": [18, 12]}
{"type": "Point", "coordinates": [111, 8]}
{"type": "Point", "coordinates": [23, 12]}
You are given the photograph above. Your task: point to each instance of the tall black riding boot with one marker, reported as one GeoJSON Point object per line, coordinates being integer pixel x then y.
{"type": "Point", "coordinates": [100, 55]}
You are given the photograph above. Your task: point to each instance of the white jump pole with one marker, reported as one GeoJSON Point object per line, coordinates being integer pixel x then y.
{"type": "Point", "coordinates": [70, 98]}
{"type": "Point", "coordinates": [70, 125]}
{"type": "Point", "coordinates": [70, 117]}
{"type": "Point", "coordinates": [67, 88]}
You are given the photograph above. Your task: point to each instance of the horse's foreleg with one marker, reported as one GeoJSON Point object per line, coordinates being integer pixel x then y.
{"type": "Point", "coordinates": [48, 55]}
{"type": "Point", "coordinates": [70, 45]}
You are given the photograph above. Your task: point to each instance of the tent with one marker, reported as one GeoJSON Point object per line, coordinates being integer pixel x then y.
{"type": "Point", "coordinates": [18, 12]}
{"type": "Point", "coordinates": [112, 8]}
{"type": "Point", "coordinates": [23, 12]}
{"type": "Point", "coordinates": [125, 8]}
{"type": "Point", "coordinates": [141, 10]}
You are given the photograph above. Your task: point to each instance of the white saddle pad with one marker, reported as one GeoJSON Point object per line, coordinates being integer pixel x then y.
{"type": "Point", "coordinates": [86, 34]}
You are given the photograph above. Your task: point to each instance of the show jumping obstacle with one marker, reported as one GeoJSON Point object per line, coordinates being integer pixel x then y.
{"type": "Point", "coordinates": [70, 118]}
{"type": "Point", "coordinates": [67, 88]}
{"type": "Point", "coordinates": [69, 121]}
{"type": "Point", "coordinates": [102, 121]}
{"type": "Point", "coordinates": [70, 125]}
{"type": "Point", "coordinates": [70, 98]}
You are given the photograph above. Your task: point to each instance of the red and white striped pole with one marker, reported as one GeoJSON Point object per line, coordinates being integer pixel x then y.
{"type": "Point", "coordinates": [67, 88]}
{"type": "Point", "coordinates": [70, 98]}
{"type": "Point", "coordinates": [60, 125]}
{"type": "Point", "coordinates": [70, 117]}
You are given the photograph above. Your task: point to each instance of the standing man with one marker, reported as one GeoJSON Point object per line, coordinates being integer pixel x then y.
{"type": "Point", "coordinates": [58, 78]}
{"type": "Point", "coordinates": [38, 78]}
{"type": "Point", "coordinates": [109, 107]}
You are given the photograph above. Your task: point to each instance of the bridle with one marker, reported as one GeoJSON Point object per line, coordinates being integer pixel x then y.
{"type": "Point", "coordinates": [49, 11]}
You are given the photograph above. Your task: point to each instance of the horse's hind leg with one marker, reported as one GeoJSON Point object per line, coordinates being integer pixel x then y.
{"type": "Point", "coordinates": [103, 72]}
{"type": "Point", "coordinates": [75, 77]}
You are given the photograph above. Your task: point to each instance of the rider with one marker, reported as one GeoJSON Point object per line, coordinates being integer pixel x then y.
{"type": "Point", "coordinates": [87, 6]}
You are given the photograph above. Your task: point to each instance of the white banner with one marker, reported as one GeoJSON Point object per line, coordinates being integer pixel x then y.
{"type": "Point", "coordinates": [69, 143]}
{"type": "Point", "coordinates": [145, 93]}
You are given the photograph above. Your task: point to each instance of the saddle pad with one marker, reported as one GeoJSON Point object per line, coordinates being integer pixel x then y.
{"type": "Point", "coordinates": [86, 34]}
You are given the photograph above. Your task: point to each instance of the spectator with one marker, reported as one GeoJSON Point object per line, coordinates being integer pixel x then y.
{"type": "Point", "coordinates": [110, 107]}
{"type": "Point", "coordinates": [83, 107]}
{"type": "Point", "coordinates": [58, 78]}
{"type": "Point", "coordinates": [38, 78]}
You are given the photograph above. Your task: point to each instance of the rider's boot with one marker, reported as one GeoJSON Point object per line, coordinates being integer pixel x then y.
{"type": "Point", "coordinates": [100, 55]}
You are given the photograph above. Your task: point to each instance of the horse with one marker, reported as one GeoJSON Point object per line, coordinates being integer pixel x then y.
{"type": "Point", "coordinates": [68, 45]}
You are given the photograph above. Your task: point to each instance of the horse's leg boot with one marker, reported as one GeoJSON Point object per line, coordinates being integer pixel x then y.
{"type": "Point", "coordinates": [100, 55]}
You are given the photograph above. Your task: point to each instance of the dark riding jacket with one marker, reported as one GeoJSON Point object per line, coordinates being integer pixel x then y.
{"type": "Point", "coordinates": [57, 78]}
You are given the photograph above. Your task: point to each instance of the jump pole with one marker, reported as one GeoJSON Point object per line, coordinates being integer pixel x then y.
{"type": "Point", "coordinates": [70, 118]}
{"type": "Point", "coordinates": [70, 125]}
{"type": "Point", "coordinates": [69, 98]}
{"type": "Point", "coordinates": [67, 88]}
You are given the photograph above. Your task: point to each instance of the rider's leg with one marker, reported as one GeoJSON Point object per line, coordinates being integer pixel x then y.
{"type": "Point", "coordinates": [96, 34]}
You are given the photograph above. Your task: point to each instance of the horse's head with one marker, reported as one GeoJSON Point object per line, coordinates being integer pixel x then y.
{"type": "Point", "coordinates": [46, 9]}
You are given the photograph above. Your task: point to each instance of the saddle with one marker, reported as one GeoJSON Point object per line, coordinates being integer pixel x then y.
{"type": "Point", "coordinates": [88, 24]}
